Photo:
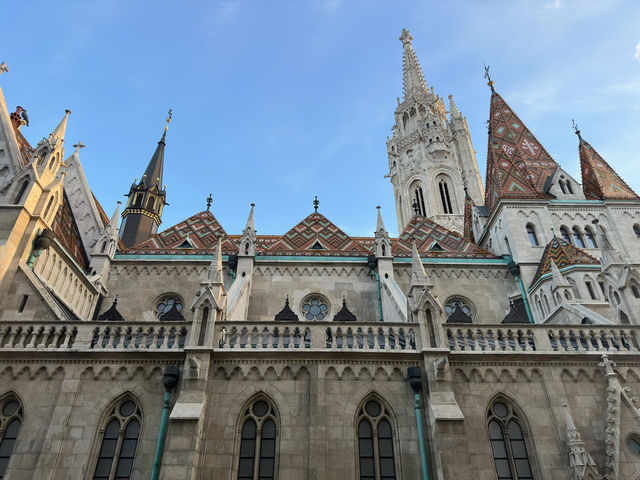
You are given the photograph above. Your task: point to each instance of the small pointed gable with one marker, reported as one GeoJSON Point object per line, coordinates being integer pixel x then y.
{"type": "Point", "coordinates": [518, 166]}
{"type": "Point", "coordinates": [316, 235]}
{"type": "Point", "coordinates": [286, 314]}
{"type": "Point", "coordinates": [563, 254]}
{"type": "Point", "coordinates": [201, 231]}
{"type": "Point", "coordinates": [112, 314]}
{"type": "Point", "coordinates": [599, 180]}
{"type": "Point", "coordinates": [344, 315]}
{"type": "Point", "coordinates": [433, 240]}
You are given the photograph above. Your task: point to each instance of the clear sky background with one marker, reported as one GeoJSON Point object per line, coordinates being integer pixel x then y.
{"type": "Point", "coordinates": [277, 101]}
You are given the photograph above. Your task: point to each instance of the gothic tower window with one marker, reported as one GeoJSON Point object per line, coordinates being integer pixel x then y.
{"type": "Point", "coordinates": [508, 442]}
{"type": "Point", "coordinates": [49, 204]}
{"type": "Point", "coordinates": [591, 238]}
{"type": "Point", "coordinates": [418, 201]}
{"type": "Point", "coordinates": [23, 187]}
{"type": "Point", "coordinates": [151, 203]}
{"type": "Point", "coordinates": [533, 238]}
{"type": "Point", "coordinates": [376, 458]}
{"type": "Point", "coordinates": [258, 441]}
{"type": "Point", "coordinates": [564, 233]}
{"type": "Point", "coordinates": [119, 441]}
{"type": "Point", "coordinates": [445, 197]}
{"type": "Point", "coordinates": [10, 422]}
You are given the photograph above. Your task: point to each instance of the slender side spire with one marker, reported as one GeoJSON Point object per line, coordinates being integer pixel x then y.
{"type": "Point", "coordinates": [214, 274]}
{"type": "Point", "coordinates": [413, 79]}
{"type": "Point", "coordinates": [599, 180]}
{"type": "Point", "coordinates": [468, 218]}
{"type": "Point", "coordinates": [250, 226]}
{"type": "Point", "coordinates": [418, 275]}
{"type": "Point", "coordinates": [115, 218]}
{"type": "Point", "coordinates": [453, 108]}
{"type": "Point", "coordinates": [580, 459]}
{"type": "Point", "coordinates": [380, 224]}
{"type": "Point", "coordinates": [61, 129]}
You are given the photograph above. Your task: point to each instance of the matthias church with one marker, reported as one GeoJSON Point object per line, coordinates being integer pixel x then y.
{"type": "Point", "coordinates": [494, 338]}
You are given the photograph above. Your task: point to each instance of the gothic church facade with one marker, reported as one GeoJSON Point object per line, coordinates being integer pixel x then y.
{"type": "Point", "coordinates": [497, 337]}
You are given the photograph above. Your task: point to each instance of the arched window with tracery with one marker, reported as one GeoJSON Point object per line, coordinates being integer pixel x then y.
{"type": "Point", "coordinates": [375, 446]}
{"type": "Point", "coordinates": [577, 236]}
{"type": "Point", "coordinates": [591, 238]}
{"type": "Point", "coordinates": [418, 201]}
{"type": "Point", "coordinates": [119, 441]}
{"type": "Point", "coordinates": [257, 459]}
{"type": "Point", "coordinates": [533, 238]}
{"type": "Point", "coordinates": [443, 186]}
{"type": "Point", "coordinates": [508, 442]}
{"type": "Point", "coordinates": [10, 422]}
{"type": "Point", "coordinates": [564, 233]}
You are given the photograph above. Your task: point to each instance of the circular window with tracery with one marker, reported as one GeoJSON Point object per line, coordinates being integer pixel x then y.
{"type": "Point", "coordinates": [315, 307]}
{"type": "Point", "coordinates": [166, 303]}
{"type": "Point", "coordinates": [458, 303]}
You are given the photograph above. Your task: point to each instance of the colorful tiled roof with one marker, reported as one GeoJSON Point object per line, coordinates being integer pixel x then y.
{"type": "Point", "coordinates": [433, 240]}
{"type": "Point", "coordinates": [564, 254]}
{"type": "Point", "coordinates": [518, 166]}
{"type": "Point", "coordinates": [197, 234]}
{"type": "Point", "coordinates": [599, 180]}
{"type": "Point", "coordinates": [316, 235]}
{"type": "Point", "coordinates": [67, 233]}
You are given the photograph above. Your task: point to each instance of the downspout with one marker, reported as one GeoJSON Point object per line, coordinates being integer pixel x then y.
{"type": "Point", "coordinates": [514, 268]}
{"type": "Point", "coordinates": [170, 380]}
{"type": "Point", "coordinates": [373, 263]}
{"type": "Point", "coordinates": [43, 241]}
{"type": "Point", "coordinates": [414, 375]}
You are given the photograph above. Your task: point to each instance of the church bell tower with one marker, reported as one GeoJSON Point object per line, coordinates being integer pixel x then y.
{"type": "Point", "coordinates": [431, 157]}
{"type": "Point", "coordinates": [143, 213]}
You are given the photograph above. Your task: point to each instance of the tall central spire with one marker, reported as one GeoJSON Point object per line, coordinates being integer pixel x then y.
{"type": "Point", "coordinates": [413, 79]}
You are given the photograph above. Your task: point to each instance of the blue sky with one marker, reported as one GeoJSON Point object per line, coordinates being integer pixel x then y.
{"type": "Point", "coordinates": [277, 101]}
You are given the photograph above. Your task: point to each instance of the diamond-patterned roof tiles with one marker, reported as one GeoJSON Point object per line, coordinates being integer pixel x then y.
{"type": "Point", "coordinates": [436, 241]}
{"type": "Point", "coordinates": [599, 180]}
{"type": "Point", "coordinates": [66, 230]}
{"type": "Point", "coordinates": [563, 254]}
{"type": "Point", "coordinates": [318, 236]}
{"type": "Point", "coordinates": [518, 166]}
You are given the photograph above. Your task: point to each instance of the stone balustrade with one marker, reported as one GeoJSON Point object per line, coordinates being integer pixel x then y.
{"type": "Point", "coordinates": [93, 336]}
{"type": "Point", "coordinates": [543, 338]}
{"type": "Point", "coordinates": [387, 337]}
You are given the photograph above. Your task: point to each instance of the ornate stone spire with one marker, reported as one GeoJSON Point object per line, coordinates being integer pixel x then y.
{"type": "Point", "coordinates": [58, 133]}
{"type": "Point", "coordinates": [413, 79]}
{"type": "Point", "coordinates": [418, 275]}
{"type": "Point", "coordinates": [580, 460]}
{"type": "Point", "coordinates": [380, 224]}
{"type": "Point", "coordinates": [453, 108]}
{"type": "Point", "coordinates": [248, 238]}
{"type": "Point", "coordinates": [214, 274]}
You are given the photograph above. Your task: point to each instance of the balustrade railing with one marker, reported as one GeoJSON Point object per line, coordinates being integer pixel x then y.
{"type": "Point", "coordinates": [93, 336]}
{"type": "Point", "coordinates": [543, 338]}
{"type": "Point", "coordinates": [317, 335]}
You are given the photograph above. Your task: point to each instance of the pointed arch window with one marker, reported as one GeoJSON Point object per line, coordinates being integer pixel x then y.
{"type": "Point", "coordinates": [533, 238]}
{"type": "Point", "coordinates": [258, 444]}
{"type": "Point", "coordinates": [508, 443]}
{"type": "Point", "coordinates": [564, 233]}
{"type": "Point", "coordinates": [418, 202]}
{"type": "Point", "coordinates": [591, 238]}
{"type": "Point", "coordinates": [10, 423]}
{"type": "Point", "coordinates": [119, 441]}
{"type": "Point", "coordinates": [445, 197]}
{"type": "Point", "coordinates": [577, 236]}
{"type": "Point", "coordinates": [376, 457]}
{"type": "Point", "coordinates": [23, 187]}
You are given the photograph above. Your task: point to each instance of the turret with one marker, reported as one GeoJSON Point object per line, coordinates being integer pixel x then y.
{"type": "Point", "coordinates": [143, 212]}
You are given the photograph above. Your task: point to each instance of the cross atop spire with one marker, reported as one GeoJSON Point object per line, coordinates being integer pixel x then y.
{"type": "Point", "coordinates": [413, 79]}
{"type": "Point", "coordinates": [209, 202]}
{"type": "Point", "coordinates": [488, 77]}
{"type": "Point", "coordinates": [316, 202]}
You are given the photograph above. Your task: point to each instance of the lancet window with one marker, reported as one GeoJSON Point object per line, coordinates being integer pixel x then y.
{"type": "Point", "coordinates": [376, 453]}
{"type": "Point", "coordinates": [10, 422]}
{"type": "Point", "coordinates": [258, 444]}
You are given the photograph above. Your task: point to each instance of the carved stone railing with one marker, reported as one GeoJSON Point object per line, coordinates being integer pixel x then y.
{"type": "Point", "coordinates": [93, 336]}
{"type": "Point", "coordinates": [387, 337]}
{"type": "Point", "coordinates": [542, 338]}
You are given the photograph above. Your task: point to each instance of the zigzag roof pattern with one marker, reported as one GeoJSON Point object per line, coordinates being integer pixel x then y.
{"type": "Point", "coordinates": [66, 230]}
{"type": "Point", "coordinates": [316, 235]}
{"type": "Point", "coordinates": [564, 254]}
{"type": "Point", "coordinates": [599, 180]}
{"type": "Point", "coordinates": [518, 166]}
{"type": "Point", "coordinates": [433, 240]}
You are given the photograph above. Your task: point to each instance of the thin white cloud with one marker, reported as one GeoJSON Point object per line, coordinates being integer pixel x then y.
{"type": "Point", "coordinates": [636, 54]}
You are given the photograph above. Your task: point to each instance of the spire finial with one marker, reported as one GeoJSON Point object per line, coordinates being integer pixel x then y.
{"type": "Point", "coordinates": [488, 77]}
{"type": "Point", "coordinates": [209, 202]}
{"type": "Point", "coordinates": [406, 38]}
{"type": "Point", "coordinates": [3, 67]}
{"type": "Point", "coordinates": [168, 120]}
{"type": "Point", "coordinates": [576, 128]}
{"type": "Point", "coordinates": [316, 202]}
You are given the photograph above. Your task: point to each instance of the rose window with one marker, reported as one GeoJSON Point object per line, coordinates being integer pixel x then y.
{"type": "Point", "coordinates": [315, 308]}
{"type": "Point", "coordinates": [166, 303]}
{"type": "Point", "coordinates": [458, 304]}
